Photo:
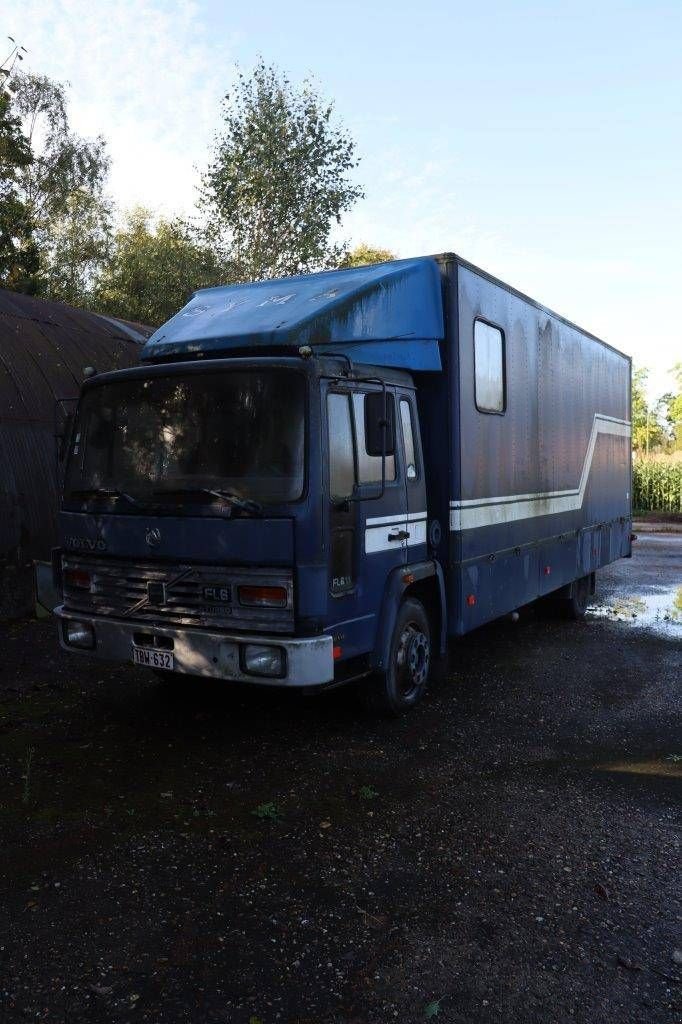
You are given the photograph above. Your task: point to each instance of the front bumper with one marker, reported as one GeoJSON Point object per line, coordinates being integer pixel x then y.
{"type": "Point", "coordinates": [199, 652]}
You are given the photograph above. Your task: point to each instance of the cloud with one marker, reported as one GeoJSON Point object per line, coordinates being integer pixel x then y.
{"type": "Point", "coordinates": [146, 75]}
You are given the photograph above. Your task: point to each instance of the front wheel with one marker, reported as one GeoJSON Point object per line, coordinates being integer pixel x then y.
{"type": "Point", "coordinates": [403, 683]}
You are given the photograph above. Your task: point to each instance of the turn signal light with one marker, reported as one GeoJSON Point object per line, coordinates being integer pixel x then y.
{"type": "Point", "coordinates": [263, 597]}
{"type": "Point", "coordinates": [78, 578]}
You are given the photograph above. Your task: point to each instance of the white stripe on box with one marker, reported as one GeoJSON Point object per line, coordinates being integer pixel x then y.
{"type": "Point", "coordinates": [476, 512]}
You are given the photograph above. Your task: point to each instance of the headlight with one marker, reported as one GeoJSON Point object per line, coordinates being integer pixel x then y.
{"type": "Point", "coordinates": [79, 634]}
{"type": "Point", "coordinates": [263, 661]}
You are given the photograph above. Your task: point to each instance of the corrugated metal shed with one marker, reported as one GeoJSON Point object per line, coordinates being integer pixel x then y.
{"type": "Point", "coordinates": [44, 347]}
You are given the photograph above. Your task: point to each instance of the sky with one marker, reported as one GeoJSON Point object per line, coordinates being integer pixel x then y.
{"type": "Point", "coordinates": [541, 141]}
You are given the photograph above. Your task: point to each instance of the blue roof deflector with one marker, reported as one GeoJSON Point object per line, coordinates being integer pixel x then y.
{"type": "Point", "coordinates": [390, 314]}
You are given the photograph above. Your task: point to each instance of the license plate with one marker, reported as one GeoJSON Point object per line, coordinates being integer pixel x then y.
{"type": "Point", "coordinates": [153, 659]}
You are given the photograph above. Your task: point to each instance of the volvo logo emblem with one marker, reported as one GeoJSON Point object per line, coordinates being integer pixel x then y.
{"type": "Point", "coordinates": [153, 537]}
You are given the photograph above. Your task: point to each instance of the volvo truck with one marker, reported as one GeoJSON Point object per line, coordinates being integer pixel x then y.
{"type": "Point", "coordinates": [324, 479]}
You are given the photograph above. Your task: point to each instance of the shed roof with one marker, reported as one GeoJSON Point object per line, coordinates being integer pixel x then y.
{"type": "Point", "coordinates": [44, 348]}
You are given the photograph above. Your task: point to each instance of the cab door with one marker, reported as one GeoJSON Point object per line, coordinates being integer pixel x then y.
{"type": "Point", "coordinates": [417, 548]}
{"type": "Point", "coordinates": [368, 526]}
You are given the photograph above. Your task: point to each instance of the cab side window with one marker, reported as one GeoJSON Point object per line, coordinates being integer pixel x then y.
{"type": "Point", "coordinates": [411, 468]}
{"type": "Point", "coordinates": [342, 474]}
{"type": "Point", "coordinates": [369, 466]}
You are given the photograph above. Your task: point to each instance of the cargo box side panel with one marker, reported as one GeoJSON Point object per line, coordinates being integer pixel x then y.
{"type": "Point", "coordinates": [549, 479]}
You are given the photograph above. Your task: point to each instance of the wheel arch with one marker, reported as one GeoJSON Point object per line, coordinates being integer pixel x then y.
{"type": "Point", "coordinates": [423, 581]}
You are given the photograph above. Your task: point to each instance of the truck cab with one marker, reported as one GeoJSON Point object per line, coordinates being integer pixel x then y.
{"type": "Point", "coordinates": [253, 519]}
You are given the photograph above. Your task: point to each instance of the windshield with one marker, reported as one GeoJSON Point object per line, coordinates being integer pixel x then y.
{"type": "Point", "coordinates": [241, 432]}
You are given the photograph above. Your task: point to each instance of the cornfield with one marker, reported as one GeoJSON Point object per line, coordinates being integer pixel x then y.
{"type": "Point", "coordinates": [656, 486]}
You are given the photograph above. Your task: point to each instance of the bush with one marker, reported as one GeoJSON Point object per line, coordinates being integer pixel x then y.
{"type": "Point", "coordinates": [656, 486]}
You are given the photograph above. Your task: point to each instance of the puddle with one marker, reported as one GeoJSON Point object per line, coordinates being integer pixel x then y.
{"type": "Point", "coordinates": [668, 767]}
{"type": "Point", "coordinates": [661, 611]}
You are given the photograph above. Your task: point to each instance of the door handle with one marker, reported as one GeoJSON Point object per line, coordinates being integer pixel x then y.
{"type": "Point", "coordinates": [399, 535]}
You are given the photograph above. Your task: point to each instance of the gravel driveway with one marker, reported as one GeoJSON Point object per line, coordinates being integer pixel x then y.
{"type": "Point", "coordinates": [508, 853]}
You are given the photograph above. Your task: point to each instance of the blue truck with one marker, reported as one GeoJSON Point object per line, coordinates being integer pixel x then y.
{"type": "Point", "coordinates": [322, 479]}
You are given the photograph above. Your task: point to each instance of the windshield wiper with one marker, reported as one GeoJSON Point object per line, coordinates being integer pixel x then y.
{"type": "Point", "coordinates": [232, 499]}
{"type": "Point", "coordinates": [105, 492]}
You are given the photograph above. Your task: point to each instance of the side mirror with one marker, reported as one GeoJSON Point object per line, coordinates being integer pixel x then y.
{"type": "Point", "coordinates": [379, 424]}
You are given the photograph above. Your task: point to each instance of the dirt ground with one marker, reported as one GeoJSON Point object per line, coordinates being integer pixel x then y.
{"type": "Point", "coordinates": [508, 853]}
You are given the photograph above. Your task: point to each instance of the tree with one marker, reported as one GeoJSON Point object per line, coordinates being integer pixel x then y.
{"type": "Point", "coordinates": [78, 243]}
{"type": "Point", "coordinates": [153, 267]}
{"type": "Point", "coordinates": [647, 431]}
{"type": "Point", "coordinates": [18, 251]}
{"type": "Point", "coordinates": [672, 403]}
{"type": "Point", "coordinates": [364, 254]}
{"type": "Point", "coordinates": [63, 190]}
{"type": "Point", "coordinates": [278, 180]}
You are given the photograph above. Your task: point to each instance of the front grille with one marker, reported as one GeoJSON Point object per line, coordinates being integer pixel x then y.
{"type": "Point", "coordinates": [188, 595]}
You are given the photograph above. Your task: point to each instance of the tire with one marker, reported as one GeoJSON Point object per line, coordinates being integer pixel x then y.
{"type": "Point", "coordinates": [575, 606]}
{"type": "Point", "coordinates": [403, 683]}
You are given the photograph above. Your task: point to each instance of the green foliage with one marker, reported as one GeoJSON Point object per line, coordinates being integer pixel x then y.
{"type": "Point", "coordinates": [367, 793]}
{"type": "Point", "coordinates": [153, 267]}
{"type": "Point", "coordinates": [673, 408]}
{"type": "Point", "coordinates": [63, 161]}
{"type": "Point", "coordinates": [18, 252]}
{"type": "Point", "coordinates": [363, 255]}
{"type": "Point", "coordinates": [433, 1009]}
{"type": "Point", "coordinates": [278, 183]}
{"type": "Point", "coordinates": [78, 242]}
{"type": "Point", "coordinates": [647, 431]}
{"type": "Point", "coordinates": [278, 180]}
{"type": "Point", "coordinates": [656, 486]}
{"type": "Point", "coordinates": [62, 188]}
{"type": "Point", "coordinates": [268, 812]}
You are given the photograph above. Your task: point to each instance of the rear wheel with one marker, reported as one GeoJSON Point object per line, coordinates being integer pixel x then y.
{"type": "Point", "coordinates": [575, 606]}
{"type": "Point", "coordinates": [403, 683]}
